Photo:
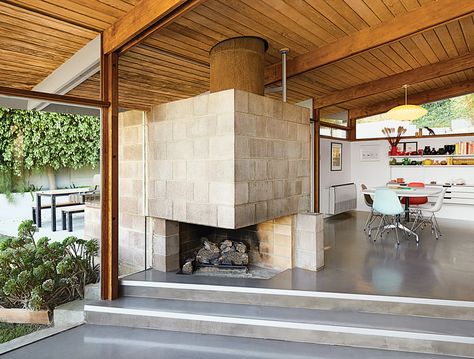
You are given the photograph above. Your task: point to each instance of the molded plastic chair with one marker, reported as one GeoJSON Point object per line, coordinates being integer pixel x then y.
{"type": "Point", "coordinates": [416, 200]}
{"type": "Point", "coordinates": [369, 202]}
{"type": "Point", "coordinates": [387, 203]}
{"type": "Point", "coordinates": [421, 221]}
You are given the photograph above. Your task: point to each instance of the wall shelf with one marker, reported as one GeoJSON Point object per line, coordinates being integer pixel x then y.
{"type": "Point", "coordinates": [416, 166]}
{"type": "Point", "coordinates": [430, 156]}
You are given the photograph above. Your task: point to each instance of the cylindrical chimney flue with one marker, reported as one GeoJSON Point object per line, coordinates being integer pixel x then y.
{"type": "Point", "coordinates": [238, 63]}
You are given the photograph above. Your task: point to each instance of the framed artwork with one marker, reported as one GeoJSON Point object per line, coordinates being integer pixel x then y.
{"type": "Point", "coordinates": [336, 156]}
{"type": "Point", "coordinates": [401, 147]}
{"type": "Point", "coordinates": [369, 153]}
{"type": "Point", "coordinates": [410, 146]}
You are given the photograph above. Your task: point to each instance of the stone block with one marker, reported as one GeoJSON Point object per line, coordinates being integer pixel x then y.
{"type": "Point", "coordinates": [244, 170]}
{"type": "Point", "coordinates": [221, 147]}
{"type": "Point", "coordinates": [241, 192]}
{"type": "Point", "coordinates": [245, 124]}
{"type": "Point", "coordinates": [261, 211]}
{"type": "Point", "coordinates": [130, 135]}
{"type": "Point", "coordinates": [277, 110]}
{"type": "Point", "coordinates": [305, 260]}
{"type": "Point", "coordinates": [292, 131]}
{"type": "Point", "coordinates": [261, 125]}
{"type": "Point", "coordinates": [201, 105]}
{"type": "Point", "coordinates": [281, 263]}
{"type": "Point", "coordinates": [165, 263]}
{"type": "Point", "coordinates": [222, 101]}
{"type": "Point", "coordinates": [279, 189]}
{"type": "Point", "coordinates": [201, 148]}
{"type": "Point", "coordinates": [261, 170]}
{"type": "Point", "coordinates": [225, 216]}
{"type": "Point", "coordinates": [202, 126]}
{"type": "Point", "coordinates": [132, 153]}
{"type": "Point", "coordinates": [201, 192]}
{"type": "Point", "coordinates": [303, 133]}
{"type": "Point", "coordinates": [180, 150]}
{"type": "Point", "coordinates": [221, 193]}
{"type": "Point", "coordinates": [159, 113]}
{"type": "Point", "coordinates": [258, 147]}
{"type": "Point", "coordinates": [160, 131]}
{"type": "Point", "coordinates": [283, 229]}
{"type": "Point", "coordinates": [241, 101]}
{"type": "Point", "coordinates": [291, 113]}
{"type": "Point", "coordinates": [205, 214]}
{"type": "Point", "coordinates": [179, 109]}
{"type": "Point", "coordinates": [179, 190]}
{"type": "Point", "coordinates": [277, 129]}
{"type": "Point", "coordinates": [180, 127]}
{"type": "Point", "coordinates": [244, 215]}
{"type": "Point", "coordinates": [179, 170]}
{"type": "Point", "coordinates": [179, 210]}
{"type": "Point", "coordinates": [162, 208]}
{"type": "Point", "coordinates": [256, 104]}
{"type": "Point", "coordinates": [260, 191]}
{"type": "Point", "coordinates": [221, 170]}
{"type": "Point", "coordinates": [225, 123]}
{"type": "Point", "coordinates": [198, 170]}
{"type": "Point", "coordinates": [283, 241]}
{"type": "Point", "coordinates": [268, 106]}
{"type": "Point", "coordinates": [156, 151]}
{"type": "Point", "coordinates": [242, 147]}
{"type": "Point", "coordinates": [278, 169]}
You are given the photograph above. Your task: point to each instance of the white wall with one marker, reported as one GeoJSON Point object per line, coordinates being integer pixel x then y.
{"type": "Point", "coordinates": [328, 177]}
{"type": "Point", "coordinates": [65, 177]}
{"type": "Point", "coordinates": [379, 172]}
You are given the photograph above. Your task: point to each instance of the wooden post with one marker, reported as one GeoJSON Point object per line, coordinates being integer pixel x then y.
{"type": "Point", "coordinates": [109, 178]}
{"type": "Point", "coordinates": [317, 172]}
{"type": "Point", "coordinates": [352, 122]}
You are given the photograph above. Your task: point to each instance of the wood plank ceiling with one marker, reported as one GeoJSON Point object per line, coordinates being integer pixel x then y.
{"type": "Point", "coordinates": [37, 36]}
{"type": "Point", "coordinates": [174, 63]}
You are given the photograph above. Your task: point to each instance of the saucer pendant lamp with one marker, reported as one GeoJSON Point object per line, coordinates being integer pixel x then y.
{"type": "Point", "coordinates": [406, 112]}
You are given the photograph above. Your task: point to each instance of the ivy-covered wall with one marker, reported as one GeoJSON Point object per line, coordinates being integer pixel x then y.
{"type": "Point", "coordinates": [33, 140]}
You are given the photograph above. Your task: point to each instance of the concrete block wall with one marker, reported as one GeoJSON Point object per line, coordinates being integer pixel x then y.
{"type": "Point", "coordinates": [131, 192]}
{"type": "Point", "coordinates": [228, 159]}
{"type": "Point", "coordinates": [165, 238]}
{"type": "Point", "coordinates": [272, 159]}
{"type": "Point", "coordinates": [308, 249]}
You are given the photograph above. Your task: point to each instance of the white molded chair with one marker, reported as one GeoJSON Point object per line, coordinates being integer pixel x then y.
{"type": "Point", "coordinates": [370, 203]}
{"type": "Point", "coordinates": [421, 221]}
{"type": "Point", "coordinates": [387, 203]}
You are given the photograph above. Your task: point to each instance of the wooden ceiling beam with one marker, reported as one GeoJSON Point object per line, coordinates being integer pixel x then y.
{"type": "Point", "coordinates": [426, 17]}
{"type": "Point", "coordinates": [393, 82]}
{"type": "Point", "coordinates": [437, 94]}
{"type": "Point", "coordinates": [145, 18]}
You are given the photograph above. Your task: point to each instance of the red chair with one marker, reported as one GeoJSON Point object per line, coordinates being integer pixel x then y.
{"type": "Point", "coordinates": [416, 200]}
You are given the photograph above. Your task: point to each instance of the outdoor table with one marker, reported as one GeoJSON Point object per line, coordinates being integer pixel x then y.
{"type": "Point", "coordinates": [53, 194]}
{"type": "Point", "coordinates": [407, 193]}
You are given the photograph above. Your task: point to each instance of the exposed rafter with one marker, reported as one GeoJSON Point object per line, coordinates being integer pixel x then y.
{"type": "Point", "coordinates": [427, 16]}
{"type": "Point", "coordinates": [436, 94]}
{"type": "Point", "coordinates": [396, 81]}
{"type": "Point", "coordinates": [141, 20]}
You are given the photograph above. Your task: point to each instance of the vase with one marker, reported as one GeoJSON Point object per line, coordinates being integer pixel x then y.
{"type": "Point", "coordinates": [393, 151]}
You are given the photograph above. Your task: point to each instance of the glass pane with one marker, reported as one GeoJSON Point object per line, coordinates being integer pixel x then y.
{"type": "Point", "coordinates": [333, 132]}
{"type": "Point", "coordinates": [50, 176]}
{"type": "Point", "coordinates": [450, 116]}
{"type": "Point", "coordinates": [334, 115]}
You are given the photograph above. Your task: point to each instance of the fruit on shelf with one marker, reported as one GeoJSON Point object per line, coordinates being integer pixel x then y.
{"type": "Point", "coordinates": [427, 162]}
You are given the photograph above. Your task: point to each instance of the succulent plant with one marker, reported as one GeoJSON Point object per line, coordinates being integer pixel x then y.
{"type": "Point", "coordinates": [42, 274]}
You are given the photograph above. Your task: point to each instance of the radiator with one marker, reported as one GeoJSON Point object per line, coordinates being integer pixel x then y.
{"type": "Point", "coordinates": [342, 198]}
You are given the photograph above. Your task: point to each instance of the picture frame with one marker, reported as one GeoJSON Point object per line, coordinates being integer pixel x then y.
{"type": "Point", "coordinates": [336, 156]}
{"type": "Point", "coordinates": [369, 153]}
{"type": "Point", "coordinates": [410, 146]}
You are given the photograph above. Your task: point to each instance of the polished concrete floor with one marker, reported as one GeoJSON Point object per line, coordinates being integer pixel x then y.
{"type": "Point", "coordinates": [107, 342]}
{"type": "Point", "coordinates": [438, 269]}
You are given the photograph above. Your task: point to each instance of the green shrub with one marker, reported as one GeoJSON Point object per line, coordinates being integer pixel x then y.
{"type": "Point", "coordinates": [42, 274]}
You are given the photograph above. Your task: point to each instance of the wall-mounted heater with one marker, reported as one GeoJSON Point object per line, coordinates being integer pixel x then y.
{"type": "Point", "coordinates": [342, 198]}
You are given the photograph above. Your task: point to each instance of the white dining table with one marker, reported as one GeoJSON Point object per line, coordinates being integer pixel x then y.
{"type": "Point", "coordinates": [407, 193]}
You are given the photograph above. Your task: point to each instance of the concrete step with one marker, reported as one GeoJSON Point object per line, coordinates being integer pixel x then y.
{"type": "Point", "coordinates": [368, 330]}
{"type": "Point", "coordinates": [291, 298]}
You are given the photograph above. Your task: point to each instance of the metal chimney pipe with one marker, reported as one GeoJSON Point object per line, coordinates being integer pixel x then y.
{"type": "Point", "coordinates": [284, 53]}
